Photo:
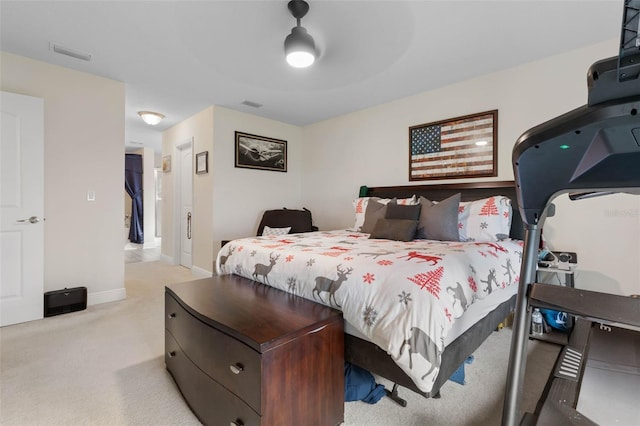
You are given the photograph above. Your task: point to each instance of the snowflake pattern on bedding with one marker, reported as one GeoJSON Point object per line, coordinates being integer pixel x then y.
{"type": "Point", "coordinates": [403, 296]}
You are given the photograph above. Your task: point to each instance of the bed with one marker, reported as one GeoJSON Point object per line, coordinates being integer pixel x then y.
{"type": "Point", "coordinates": [414, 309]}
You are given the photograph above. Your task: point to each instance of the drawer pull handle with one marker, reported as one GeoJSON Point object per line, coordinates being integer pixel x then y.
{"type": "Point", "coordinates": [236, 368]}
{"type": "Point", "coordinates": [238, 422]}
{"type": "Point", "coordinates": [171, 354]}
{"type": "Point", "coordinates": [318, 329]}
{"type": "Point", "coordinates": [172, 315]}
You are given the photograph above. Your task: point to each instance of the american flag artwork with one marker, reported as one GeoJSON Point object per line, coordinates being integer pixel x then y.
{"type": "Point", "coordinates": [456, 148]}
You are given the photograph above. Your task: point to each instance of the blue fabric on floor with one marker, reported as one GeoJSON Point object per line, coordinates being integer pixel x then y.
{"type": "Point", "coordinates": [458, 375]}
{"type": "Point", "coordinates": [359, 385]}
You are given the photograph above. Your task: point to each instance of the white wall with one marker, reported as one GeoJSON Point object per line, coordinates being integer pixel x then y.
{"type": "Point", "coordinates": [371, 147]}
{"type": "Point", "coordinates": [84, 130]}
{"type": "Point", "coordinates": [328, 161]}
{"type": "Point", "coordinates": [242, 195]}
{"type": "Point", "coordinates": [605, 234]}
{"type": "Point", "coordinates": [198, 128]}
{"type": "Point", "coordinates": [228, 202]}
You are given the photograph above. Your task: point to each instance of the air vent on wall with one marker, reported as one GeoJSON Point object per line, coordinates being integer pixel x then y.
{"type": "Point", "coordinates": [69, 52]}
{"type": "Point", "coordinates": [251, 104]}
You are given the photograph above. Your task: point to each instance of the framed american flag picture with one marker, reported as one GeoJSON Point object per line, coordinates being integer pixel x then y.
{"type": "Point", "coordinates": [461, 147]}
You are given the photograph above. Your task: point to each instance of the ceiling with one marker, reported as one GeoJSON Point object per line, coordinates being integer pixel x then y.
{"type": "Point", "coordinates": [179, 57]}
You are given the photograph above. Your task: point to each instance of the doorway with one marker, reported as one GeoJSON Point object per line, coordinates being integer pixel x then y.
{"type": "Point", "coordinates": [183, 202]}
{"type": "Point", "coordinates": [141, 179]}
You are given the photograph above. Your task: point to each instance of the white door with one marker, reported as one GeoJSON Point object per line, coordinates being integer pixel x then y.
{"type": "Point", "coordinates": [186, 173]}
{"type": "Point", "coordinates": [22, 208]}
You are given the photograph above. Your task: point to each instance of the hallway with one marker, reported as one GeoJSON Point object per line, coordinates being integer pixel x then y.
{"type": "Point", "coordinates": [135, 253]}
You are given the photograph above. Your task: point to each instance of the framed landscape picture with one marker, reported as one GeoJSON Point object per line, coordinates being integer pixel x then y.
{"type": "Point", "coordinates": [461, 147]}
{"type": "Point", "coordinates": [202, 162]}
{"type": "Point", "coordinates": [260, 152]}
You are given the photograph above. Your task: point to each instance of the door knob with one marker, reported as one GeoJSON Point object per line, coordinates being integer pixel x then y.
{"type": "Point", "coordinates": [32, 219]}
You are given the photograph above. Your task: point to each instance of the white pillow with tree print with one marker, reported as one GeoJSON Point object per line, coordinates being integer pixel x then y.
{"type": "Point", "coordinates": [485, 220]}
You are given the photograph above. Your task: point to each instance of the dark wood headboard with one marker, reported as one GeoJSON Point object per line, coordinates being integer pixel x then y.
{"type": "Point", "coordinates": [469, 192]}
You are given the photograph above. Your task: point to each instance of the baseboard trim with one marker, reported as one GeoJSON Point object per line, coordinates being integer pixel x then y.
{"type": "Point", "coordinates": [106, 296]}
{"type": "Point", "coordinates": [168, 259]}
{"type": "Point", "coordinates": [152, 242]}
{"type": "Point", "coordinates": [201, 272]}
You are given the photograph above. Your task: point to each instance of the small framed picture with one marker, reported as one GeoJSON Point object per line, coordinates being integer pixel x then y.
{"type": "Point", "coordinates": [202, 162]}
{"type": "Point", "coordinates": [260, 152]}
{"type": "Point", "coordinates": [166, 163]}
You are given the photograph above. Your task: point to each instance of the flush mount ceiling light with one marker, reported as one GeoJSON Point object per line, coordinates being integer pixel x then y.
{"type": "Point", "coordinates": [299, 47]}
{"type": "Point", "coordinates": [150, 117]}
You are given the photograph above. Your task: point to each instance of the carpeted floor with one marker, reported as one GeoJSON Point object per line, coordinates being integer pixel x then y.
{"type": "Point", "coordinates": [105, 366]}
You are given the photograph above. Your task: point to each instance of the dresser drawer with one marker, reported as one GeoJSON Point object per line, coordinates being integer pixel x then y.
{"type": "Point", "coordinates": [291, 351]}
{"type": "Point", "coordinates": [210, 401]}
{"type": "Point", "coordinates": [229, 362]}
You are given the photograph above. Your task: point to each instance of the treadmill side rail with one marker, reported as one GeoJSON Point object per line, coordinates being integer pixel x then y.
{"type": "Point", "coordinates": [589, 304]}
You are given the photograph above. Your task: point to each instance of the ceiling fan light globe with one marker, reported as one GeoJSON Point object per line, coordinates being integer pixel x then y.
{"type": "Point", "coordinates": [299, 48]}
{"type": "Point", "coordinates": [300, 59]}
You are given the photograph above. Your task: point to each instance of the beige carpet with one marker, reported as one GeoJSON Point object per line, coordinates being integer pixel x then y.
{"type": "Point", "coordinates": [105, 366]}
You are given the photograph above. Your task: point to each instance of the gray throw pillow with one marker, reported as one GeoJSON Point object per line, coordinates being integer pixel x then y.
{"type": "Point", "coordinates": [374, 211]}
{"type": "Point", "coordinates": [398, 211]}
{"type": "Point", "coordinates": [439, 221]}
{"type": "Point", "coordinates": [395, 229]}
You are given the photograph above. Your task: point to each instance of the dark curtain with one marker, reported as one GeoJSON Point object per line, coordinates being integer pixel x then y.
{"type": "Point", "coordinates": [133, 185]}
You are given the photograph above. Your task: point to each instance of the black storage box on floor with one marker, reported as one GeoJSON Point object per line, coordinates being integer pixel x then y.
{"type": "Point", "coordinates": [63, 301]}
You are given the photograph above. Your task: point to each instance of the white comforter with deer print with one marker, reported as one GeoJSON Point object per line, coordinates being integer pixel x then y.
{"type": "Point", "coordinates": [403, 296]}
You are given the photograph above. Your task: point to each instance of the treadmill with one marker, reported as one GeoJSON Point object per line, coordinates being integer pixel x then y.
{"type": "Point", "coordinates": [591, 151]}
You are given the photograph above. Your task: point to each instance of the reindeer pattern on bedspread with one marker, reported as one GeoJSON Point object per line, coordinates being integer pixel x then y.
{"type": "Point", "coordinates": [403, 296]}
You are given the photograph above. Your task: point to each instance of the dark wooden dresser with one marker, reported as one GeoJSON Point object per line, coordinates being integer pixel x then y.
{"type": "Point", "coordinates": [243, 353]}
